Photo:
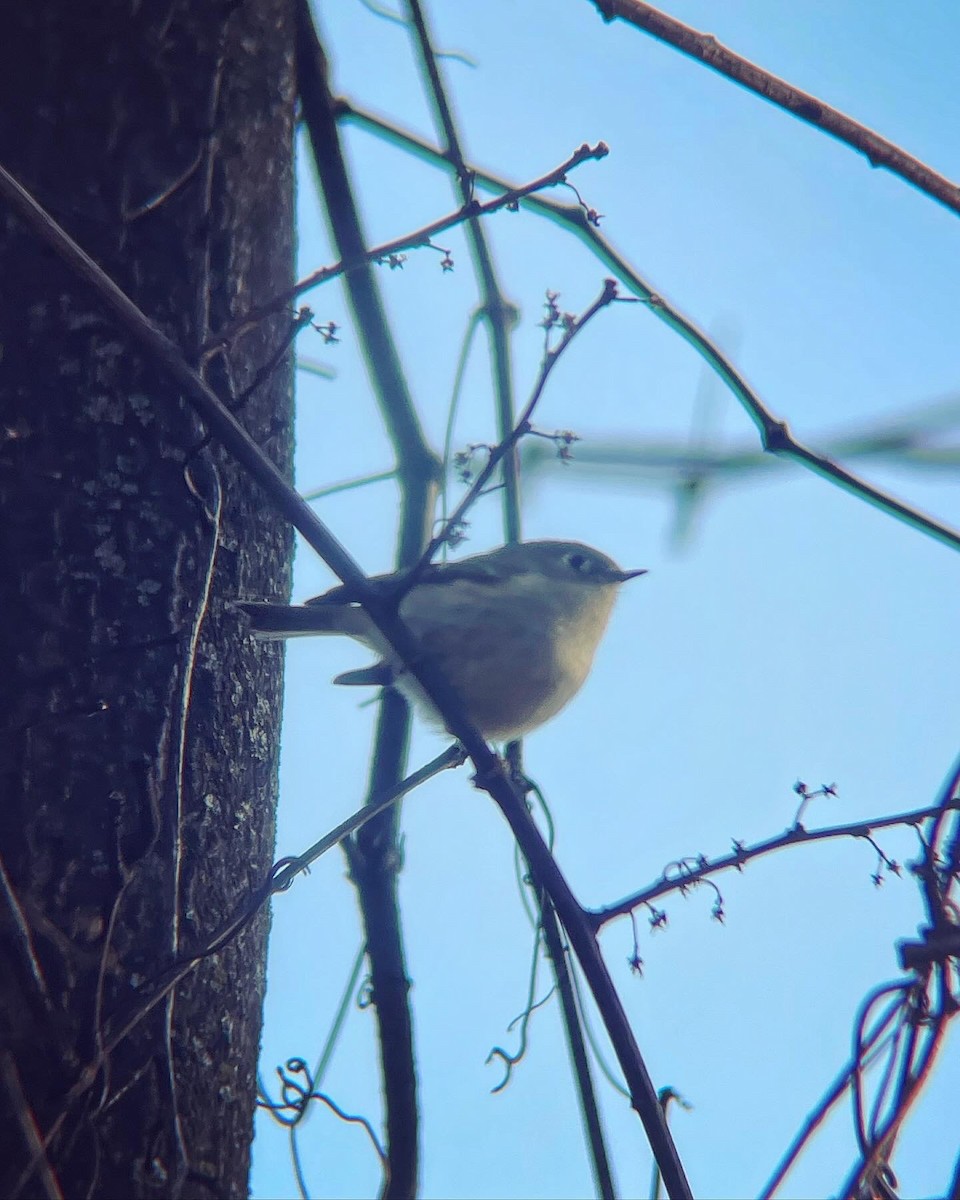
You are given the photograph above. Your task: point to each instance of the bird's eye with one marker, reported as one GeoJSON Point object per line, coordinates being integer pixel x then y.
{"type": "Point", "coordinates": [581, 563]}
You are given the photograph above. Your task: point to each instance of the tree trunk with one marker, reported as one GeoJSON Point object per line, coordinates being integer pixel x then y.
{"type": "Point", "coordinates": [137, 761]}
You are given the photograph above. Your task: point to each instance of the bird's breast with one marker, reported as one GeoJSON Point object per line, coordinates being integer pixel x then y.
{"type": "Point", "coordinates": [515, 655]}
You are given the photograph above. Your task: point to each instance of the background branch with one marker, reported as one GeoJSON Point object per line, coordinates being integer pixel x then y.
{"type": "Point", "coordinates": [374, 857]}
{"type": "Point", "coordinates": [705, 48]}
{"type": "Point", "coordinates": [776, 437]}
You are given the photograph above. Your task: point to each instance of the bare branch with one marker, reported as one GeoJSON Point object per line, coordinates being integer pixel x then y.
{"type": "Point", "coordinates": [573, 1024]}
{"type": "Point", "coordinates": [295, 1100]}
{"type": "Point", "coordinates": [917, 1064]}
{"type": "Point", "coordinates": [775, 435]}
{"type": "Point", "coordinates": [522, 427]}
{"type": "Point", "coordinates": [500, 315]}
{"type": "Point", "coordinates": [706, 49]}
{"type": "Point", "coordinates": [742, 854]}
{"type": "Point", "coordinates": [416, 239]}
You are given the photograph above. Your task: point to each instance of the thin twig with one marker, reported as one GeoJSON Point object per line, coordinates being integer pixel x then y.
{"type": "Point", "coordinates": [743, 854]}
{"type": "Point", "coordinates": [499, 314]}
{"type": "Point", "coordinates": [408, 241]}
{"type": "Point", "coordinates": [22, 936]}
{"type": "Point", "coordinates": [913, 1080]}
{"type": "Point", "coordinates": [775, 436]}
{"type": "Point", "coordinates": [509, 1060]}
{"type": "Point", "coordinates": [284, 872]}
{"type": "Point", "coordinates": [498, 452]}
{"type": "Point", "coordinates": [333, 1035]}
{"type": "Point", "coordinates": [705, 48]}
{"type": "Point", "coordinates": [934, 894]}
{"type": "Point", "coordinates": [354, 1119]}
{"type": "Point", "coordinates": [426, 233]}
{"type": "Point", "coordinates": [349, 485]}
{"type": "Point", "coordinates": [296, 1097]}
{"type": "Point", "coordinates": [456, 393]}
{"type": "Point", "coordinates": [861, 1043]}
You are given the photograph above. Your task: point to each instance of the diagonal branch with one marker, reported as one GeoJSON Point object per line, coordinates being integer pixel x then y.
{"type": "Point", "coordinates": [835, 1091]}
{"type": "Point", "coordinates": [469, 211]}
{"type": "Point", "coordinates": [706, 49]}
{"type": "Point", "coordinates": [48, 1183]}
{"type": "Point", "coordinates": [915, 1072]}
{"type": "Point", "coordinates": [775, 435]}
{"type": "Point", "coordinates": [522, 427]}
{"type": "Point", "coordinates": [154, 990]}
{"type": "Point", "coordinates": [491, 775]}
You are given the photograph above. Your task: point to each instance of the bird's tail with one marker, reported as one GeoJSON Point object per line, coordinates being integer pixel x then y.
{"type": "Point", "coordinates": [286, 620]}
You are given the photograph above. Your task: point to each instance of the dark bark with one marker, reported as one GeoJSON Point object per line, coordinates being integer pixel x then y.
{"type": "Point", "coordinates": [160, 137]}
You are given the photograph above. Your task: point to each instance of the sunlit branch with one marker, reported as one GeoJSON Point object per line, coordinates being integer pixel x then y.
{"type": "Point", "coordinates": [413, 240]}
{"type": "Point", "coordinates": [775, 434]}
{"type": "Point", "coordinates": [706, 49]}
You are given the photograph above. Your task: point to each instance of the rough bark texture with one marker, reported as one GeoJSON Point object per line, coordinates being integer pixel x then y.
{"type": "Point", "coordinates": [137, 769]}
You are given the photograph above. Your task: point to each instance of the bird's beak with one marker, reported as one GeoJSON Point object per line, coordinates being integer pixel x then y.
{"type": "Point", "coordinates": [625, 575]}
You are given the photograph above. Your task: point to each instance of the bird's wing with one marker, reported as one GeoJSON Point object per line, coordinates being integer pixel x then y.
{"type": "Point", "coordinates": [481, 568]}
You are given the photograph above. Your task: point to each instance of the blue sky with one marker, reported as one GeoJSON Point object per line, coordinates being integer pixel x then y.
{"type": "Point", "coordinates": [795, 632]}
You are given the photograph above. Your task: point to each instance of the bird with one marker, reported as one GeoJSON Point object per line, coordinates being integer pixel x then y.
{"type": "Point", "coordinates": [514, 630]}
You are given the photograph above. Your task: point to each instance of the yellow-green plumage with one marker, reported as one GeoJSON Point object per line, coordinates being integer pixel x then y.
{"type": "Point", "coordinates": [514, 631]}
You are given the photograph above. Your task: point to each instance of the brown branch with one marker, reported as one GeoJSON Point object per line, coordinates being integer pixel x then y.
{"type": "Point", "coordinates": [500, 316]}
{"type": "Point", "coordinates": [522, 427]}
{"type": "Point", "coordinates": [935, 893]}
{"type": "Point", "coordinates": [373, 857]}
{"type": "Point", "coordinates": [775, 436]}
{"type": "Point", "coordinates": [706, 49]}
{"type": "Point", "coordinates": [741, 855]}
{"type": "Point", "coordinates": [467, 211]}
{"type": "Point", "coordinates": [414, 240]}
{"type": "Point", "coordinates": [589, 1109]}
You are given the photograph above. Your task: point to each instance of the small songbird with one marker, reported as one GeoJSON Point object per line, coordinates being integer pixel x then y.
{"type": "Point", "coordinates": [513, 631]}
